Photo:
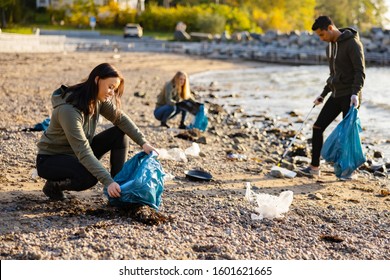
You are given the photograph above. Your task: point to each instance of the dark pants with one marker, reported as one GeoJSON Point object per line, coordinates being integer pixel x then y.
{"type": "Point", "coordinates": [166, 112]}
{"type": "Point", "coordinates": [332, 108]}
{"type": "Point", "coordinates": [61, 167]}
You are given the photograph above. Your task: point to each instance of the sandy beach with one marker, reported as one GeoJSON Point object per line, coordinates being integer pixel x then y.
{"type": "Point", "coordinates": [328, 218]}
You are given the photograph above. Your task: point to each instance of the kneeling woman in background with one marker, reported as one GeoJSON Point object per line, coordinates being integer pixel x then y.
{"type": "Point", "coordinates": [173, 92]}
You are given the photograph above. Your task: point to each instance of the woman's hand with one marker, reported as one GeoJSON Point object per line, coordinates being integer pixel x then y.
{"type": "Point", "coordinates": [114, 190]}
{"type": "Point", "coordinates": [149, 148]}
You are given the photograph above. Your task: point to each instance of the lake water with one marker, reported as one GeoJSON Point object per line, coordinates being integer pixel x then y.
{"type": "Point", "coordinates": [279, 89]}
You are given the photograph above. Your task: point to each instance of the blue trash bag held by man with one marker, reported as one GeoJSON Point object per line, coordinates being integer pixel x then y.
{"type": "Point", "coordinates": [343, 146]}
{"type": "Point", "coordinates": [200, 121]}
{"type": "Point", "coordinates": [141, 181]}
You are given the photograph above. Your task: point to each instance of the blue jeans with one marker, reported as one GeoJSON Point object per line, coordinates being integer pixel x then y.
{"type": "Point", "coordinates": [166, 112]}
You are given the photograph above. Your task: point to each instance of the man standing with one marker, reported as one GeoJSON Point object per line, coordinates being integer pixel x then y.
{"type": "Point", "coordinates": [346, 63]}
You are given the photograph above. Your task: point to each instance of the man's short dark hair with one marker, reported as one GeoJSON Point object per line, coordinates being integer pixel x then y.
{"type": "Point", "coordinates": [322, 22]}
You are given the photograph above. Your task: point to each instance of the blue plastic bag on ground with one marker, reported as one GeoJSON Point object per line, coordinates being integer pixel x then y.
{"type": "Point", "coordinates": [42, 126]}
{"type": "Point", "coordinates": [200, 121]}
{"type": "Point", "coordinates": [141, 180]}
{"type": "Point", "coordinates": [343, 146]}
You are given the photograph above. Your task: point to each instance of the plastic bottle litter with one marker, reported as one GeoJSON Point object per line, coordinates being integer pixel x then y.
{"type": "Point", "coordinates": [176, 154]}
{"type": "Point", "coordinates": [168, 177]}
{"type": "Point", "coordinates": [279, 172]}
{"type": "Point", "coordinates": [194, 150]}
{"type": "Point", "coordinates": [301, 159]}
{"type": "Point", "coordinates": [238, 157]}
{"type": "Point", "coordinates": [34, 173]}
{"type": "Point", "coordinates": [269, 206]}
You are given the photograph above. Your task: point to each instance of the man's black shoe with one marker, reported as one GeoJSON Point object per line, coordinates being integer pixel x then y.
{"type": "Point", "coordinates": [182, 126]}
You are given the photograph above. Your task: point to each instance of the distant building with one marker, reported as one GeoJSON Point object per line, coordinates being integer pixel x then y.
{"type": "Point", "coordinates": [53, 3]}
{"type": "Point", "coordinates": [123, 4]}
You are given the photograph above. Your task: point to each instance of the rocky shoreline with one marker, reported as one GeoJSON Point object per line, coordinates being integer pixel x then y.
{"type": "Point", "coordinates": [298, 48]}
{"type": "Point", "coordinates": [328, 218]}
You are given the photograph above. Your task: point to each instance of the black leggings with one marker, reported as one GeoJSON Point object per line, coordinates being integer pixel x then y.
{"type": "Point", "coordinates": [332, 108]}
{"type": "Point", "coordinates": [61, 167]}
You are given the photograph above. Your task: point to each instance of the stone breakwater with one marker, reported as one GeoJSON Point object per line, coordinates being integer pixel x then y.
{"type": "Point", "coordinates": [288, 48]}
{"type": "Point", "coordinates": [17, 43]}
{"type": "Point", "coordinates": [291, 48]}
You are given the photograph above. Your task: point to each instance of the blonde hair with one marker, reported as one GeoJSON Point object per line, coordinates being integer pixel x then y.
{"type": "Point", "coordinates": [183, 91]}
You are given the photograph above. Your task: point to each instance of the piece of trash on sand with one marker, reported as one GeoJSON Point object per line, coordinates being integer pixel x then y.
{"type": "Point", "coordinates": [238, 157]}
{"type": "Point", "coordinates": [34, 173]}
{"type": "Point", "coordinates": [280, 172]}
{"type": "Point", "coordinates": [42, 126]}
{"type": "Point", "coordinates": [269, 206]}
{"type": "Point", "coordinates": [168, 177]}
{"type": "Point", "coordinates": [176, 154]}
{"type": "Point", "coordinates": [198, 175]}
{"type": "Point", "coordinates": [331, 238]}
{"type": "Point", "coordinates": [385, 192]}
{"type": "Point", "coordinates": [193, 150]}
{"type": "Point", "coordinates": [301, 160]}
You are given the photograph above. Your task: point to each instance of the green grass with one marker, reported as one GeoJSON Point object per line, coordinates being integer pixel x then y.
{"type": "Point", "coordinates": [160, 35]}
{"type": "Point", "coordinates": [110, 31]}
{"type": "Point", "coordinates": [30, 28]}
{"type": "Point", "coordinates": [18, 29]}
{"type": "Point", "coordinates": [156, 35]}
{"type": "Point", "coordinates": [103, 31]}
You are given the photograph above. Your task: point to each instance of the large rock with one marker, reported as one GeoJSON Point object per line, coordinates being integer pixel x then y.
{"type": "Point", "coordinates": [181, 36]}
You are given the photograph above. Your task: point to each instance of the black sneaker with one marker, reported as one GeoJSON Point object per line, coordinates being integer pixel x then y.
{"type": "Point", "coordinates": [164, 124]}
{"type": "Point", "coordinates": [182, 126]}
{"type": "Point", "coordinates": [53, 191]}
{"type": "Point", "coordinates": [310, 172]}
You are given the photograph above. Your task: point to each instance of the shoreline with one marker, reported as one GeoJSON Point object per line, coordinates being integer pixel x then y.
{"type": "Point", "coordinates": [294, 48]}
{"type": "Point", "coordinates": [267, 91]}
{"type": "Point", "coordinates": [210, 220]}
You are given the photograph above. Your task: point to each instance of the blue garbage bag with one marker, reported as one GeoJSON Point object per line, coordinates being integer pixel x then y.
{"type": "Point", "coordinates": [141, 180]}
{"type": "Point", "coordinates": [42, 126]}
{"type": "Point", "coordinates": [343, 146]}
{"type": "Point", "coordinates": [200, 121]}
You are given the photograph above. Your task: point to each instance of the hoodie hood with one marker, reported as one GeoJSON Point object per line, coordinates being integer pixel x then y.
{"type": "Point", "coordinates": [347, 33]}
{"type": "Point", "coordinates": [57, 99]}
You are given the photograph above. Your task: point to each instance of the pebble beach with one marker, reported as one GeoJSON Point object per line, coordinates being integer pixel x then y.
{"type": "Point", "coordinates": [328, 219]}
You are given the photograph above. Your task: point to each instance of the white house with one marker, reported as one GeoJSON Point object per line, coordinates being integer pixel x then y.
{"type": "Point", "coordinates": [123, 4]}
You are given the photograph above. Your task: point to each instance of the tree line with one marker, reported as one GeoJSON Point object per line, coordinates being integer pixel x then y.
{"type": "Point", "coordinates": [203, 16]}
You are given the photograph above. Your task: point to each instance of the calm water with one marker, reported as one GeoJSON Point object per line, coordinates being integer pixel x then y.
{"type": "Point", "coordinates": [277, 90]}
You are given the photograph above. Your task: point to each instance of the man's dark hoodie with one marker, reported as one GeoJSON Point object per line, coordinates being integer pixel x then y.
{"type": "Point", "coordinates": [346, 63]}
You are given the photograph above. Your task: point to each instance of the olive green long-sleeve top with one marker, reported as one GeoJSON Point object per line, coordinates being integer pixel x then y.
{"type": "Point", "coordinates": [71, 132]}
{"type": "Point", "coordinates": [168, 95]}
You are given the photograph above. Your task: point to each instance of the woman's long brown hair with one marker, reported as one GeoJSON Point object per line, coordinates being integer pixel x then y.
{"type": "Point", "coordinates": [84, 95]}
